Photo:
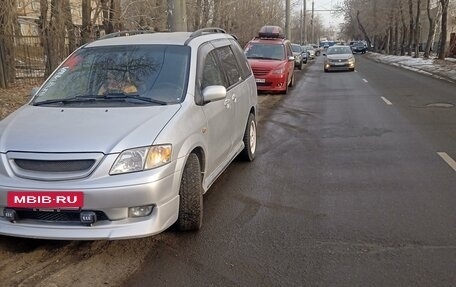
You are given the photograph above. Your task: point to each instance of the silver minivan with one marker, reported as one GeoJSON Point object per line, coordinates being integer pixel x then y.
{"type": "Point", "coordinates": [125, 137]}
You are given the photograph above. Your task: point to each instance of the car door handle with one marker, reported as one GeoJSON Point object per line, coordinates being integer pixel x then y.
{"type": "Point", "coordinates": [227, 103]}
{"type": "Point", "coordinates": [234, 98]}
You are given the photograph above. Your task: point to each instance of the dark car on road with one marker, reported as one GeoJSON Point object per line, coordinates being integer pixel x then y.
{"type": "Point", "coordinates": [359, 47]}
{"type": "Point", "coordinates": [300, 55]}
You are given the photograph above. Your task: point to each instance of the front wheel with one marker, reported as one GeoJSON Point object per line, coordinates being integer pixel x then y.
{"type": "Point", "coordinates": [250, 139]}
{"type": "Point", "coordinates": [190, 196]}
{"type": "Point", "coordinates": [292, 82]}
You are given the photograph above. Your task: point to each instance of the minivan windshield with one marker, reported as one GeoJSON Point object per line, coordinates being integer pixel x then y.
{"type": "Point", "coordinates": [119, 75]}
{"type": "Point", "coordinates": [265, 51]}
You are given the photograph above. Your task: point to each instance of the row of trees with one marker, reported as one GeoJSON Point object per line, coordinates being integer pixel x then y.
{"type": "Point", "coordinates": [60, 32]}
{"type": "Point", "coordinates": [396, 26]}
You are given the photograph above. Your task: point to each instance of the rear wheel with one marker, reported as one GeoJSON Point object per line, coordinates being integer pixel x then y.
{"type": "Point", "coordinates": [250, 139]}
{"type": "Point", "coordinates": [190, 196]}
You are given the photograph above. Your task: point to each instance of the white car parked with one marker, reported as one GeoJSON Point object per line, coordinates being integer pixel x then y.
{"type": "Point", "coordinates": [126, 136]}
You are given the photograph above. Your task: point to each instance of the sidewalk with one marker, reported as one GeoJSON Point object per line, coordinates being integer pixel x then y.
{"type": "Point", "coordinates": [445, 70]}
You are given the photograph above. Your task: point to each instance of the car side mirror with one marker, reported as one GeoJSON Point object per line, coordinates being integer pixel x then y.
{"type": "Point", "coordinates": [291, 58]}
{"type": "Point", "coordinates": [214, 93]}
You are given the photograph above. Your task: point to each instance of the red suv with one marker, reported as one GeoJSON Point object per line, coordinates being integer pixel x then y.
{"type": "Point", "coordinates": [272, 61]}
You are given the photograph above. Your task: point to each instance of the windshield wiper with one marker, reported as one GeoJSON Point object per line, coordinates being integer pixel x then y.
{"type": "Point", "coordinates": [64, 101]}
{"type": "Point", "coordinates": [120, 95]}
{"type": "Point", "coordinates": [92, 98]}
{"type": "Point", "coordinates": [260, 58]}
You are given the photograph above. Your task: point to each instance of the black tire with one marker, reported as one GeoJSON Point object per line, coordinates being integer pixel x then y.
{"type": "Point", "coordinates": [191, 196]}
{"type": "Point", "coordinates": [250, 139]}
{"type": "Point", "coordinates": [326, 70]}
{"type": "Point", "coordinates": [292, 82]}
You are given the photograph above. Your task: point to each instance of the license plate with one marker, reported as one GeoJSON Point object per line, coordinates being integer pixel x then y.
{"type": "Point", "coordinates": [260, 80]}
{"type": "Point", "coordinates": [339, 64]}
{"type": "Point", "coordinates": [42, 199]}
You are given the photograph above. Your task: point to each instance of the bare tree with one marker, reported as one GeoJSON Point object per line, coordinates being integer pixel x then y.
{"type": "Point", "coordinates": [432, 28]}
{"type": "Point", "coordinates": [443, 31]}
{"type": "Point", "coordinates": [417, 29]}
{"type": "Point", "coordinates": [404, 30]}
{"type": "Point", "coordinates": [411, 28]}
{"type": "Point", "coordinates": [7, 55]}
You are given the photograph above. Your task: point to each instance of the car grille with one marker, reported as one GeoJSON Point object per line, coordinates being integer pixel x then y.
{"type": "Point", "coordinates": [54, 165]}
{"type": "Point", "coordinates": [260, 72]}
{"type": "Point", "coordinates": [339, 61]}
{"type": "Point", "coordinates": [55, 216]}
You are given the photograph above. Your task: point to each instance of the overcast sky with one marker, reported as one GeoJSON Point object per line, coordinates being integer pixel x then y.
{"type": "Point", "coordinates": [329, 18]}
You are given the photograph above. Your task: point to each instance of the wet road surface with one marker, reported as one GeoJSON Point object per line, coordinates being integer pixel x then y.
{"type": "Point", "coordinates": [349, 188]}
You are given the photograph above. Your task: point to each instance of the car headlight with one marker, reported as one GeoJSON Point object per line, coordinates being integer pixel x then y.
{"type": "Point", "coordinates": [142, 158]}
{"type": "Point", "coordinates": [280, 70]}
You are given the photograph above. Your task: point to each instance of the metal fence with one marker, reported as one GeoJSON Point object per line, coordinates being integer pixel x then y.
{"type": "Point", "coordinates": [26, 61]}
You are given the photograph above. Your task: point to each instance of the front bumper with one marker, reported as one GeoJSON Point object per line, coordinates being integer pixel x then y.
{"type": "Point", "coordinates": [276, 83]}
{"type": "Point", "coordinates": [339, 67]}
{"type": "Point", "coordinates": [112, 195]}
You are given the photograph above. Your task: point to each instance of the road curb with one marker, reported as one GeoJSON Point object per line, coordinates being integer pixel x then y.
{"type": "Point", "coordinates": [414, 69]}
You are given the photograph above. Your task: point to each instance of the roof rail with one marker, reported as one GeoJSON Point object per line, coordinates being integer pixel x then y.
{"type": "Point", "coordinates": [124, 33]}
{"type": "Point", "coordinates": [208, 30]}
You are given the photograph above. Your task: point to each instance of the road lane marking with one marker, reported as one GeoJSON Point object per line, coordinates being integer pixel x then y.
{"type": "Point", "coordinates": [448, 159]}
{"type": "Point", "coordinates": [386, 101]}
{"type": "Point", "coordinates": [365, 81]}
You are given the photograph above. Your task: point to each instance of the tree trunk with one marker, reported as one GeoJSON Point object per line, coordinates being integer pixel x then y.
{"type": "Point", "coordinates": [443, 32]}
{"type": "Point", "coordinates": [69, 26]}
{"type": "Point", "coordinates": [206, 9]}
{"type": "Point", "coordinates": [7, 54]}
{"type": "Point", "coordinates": [114, 15]}
{"type": "Point", "coordinates": [361, 27]}
{"type": "Point", "coordinates": [404, 30]}
{"type": "Point", "coordinates": [427, 50]}
{"type": "Point", "coordinates": [417, 29]}
{"type": "Point", "coordinates": [86, 21]}
{"type": "Point", "coordinates": [396, 35]}
{"type": "Point", "coordinates": [412, 29]}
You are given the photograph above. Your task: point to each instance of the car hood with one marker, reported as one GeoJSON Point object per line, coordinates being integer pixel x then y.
{"type": "Point", "coordinates": [107, 130]}
{"type": "Point", "coordinates": [265, 64]}
{"type": "Point", "coordinates": [339, 56]}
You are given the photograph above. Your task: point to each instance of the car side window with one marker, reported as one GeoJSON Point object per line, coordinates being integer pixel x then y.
{"type": "Point", "coordinates": [242, 60]}
{"type": "Point", "coordinates": [289, 50]}
{"type": "Point", "coordinates": [229, 64]}
{"type": "Point", "coordinates": [212, 73]}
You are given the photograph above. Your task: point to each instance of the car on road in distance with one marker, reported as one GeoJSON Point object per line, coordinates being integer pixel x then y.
{"type": "Point", "coordinates": [311, 52]}
{"type": "Point", "coordinates": [300, 56]}
{"type": "Point", "coordinates": [359, 47]}
{"type": "Point", "coordinates": [88, 158]}
{"type": "Point", "coordinates": [339, 58]}
{"type": "Point", "coordinates": [317, 49]}
{"type": "Point", "coordinates": [271, 57]}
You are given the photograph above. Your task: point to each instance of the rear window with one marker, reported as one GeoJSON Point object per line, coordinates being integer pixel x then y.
{"type": "Point", "coordinates": [296, 48]}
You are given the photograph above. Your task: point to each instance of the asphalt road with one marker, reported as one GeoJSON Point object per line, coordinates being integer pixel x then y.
{"type": "Point", "coordinates": [350, 187]}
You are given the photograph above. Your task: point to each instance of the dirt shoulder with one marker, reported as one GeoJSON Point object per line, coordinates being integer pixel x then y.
{"type": "Point", "coordinates": [11, 99]}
